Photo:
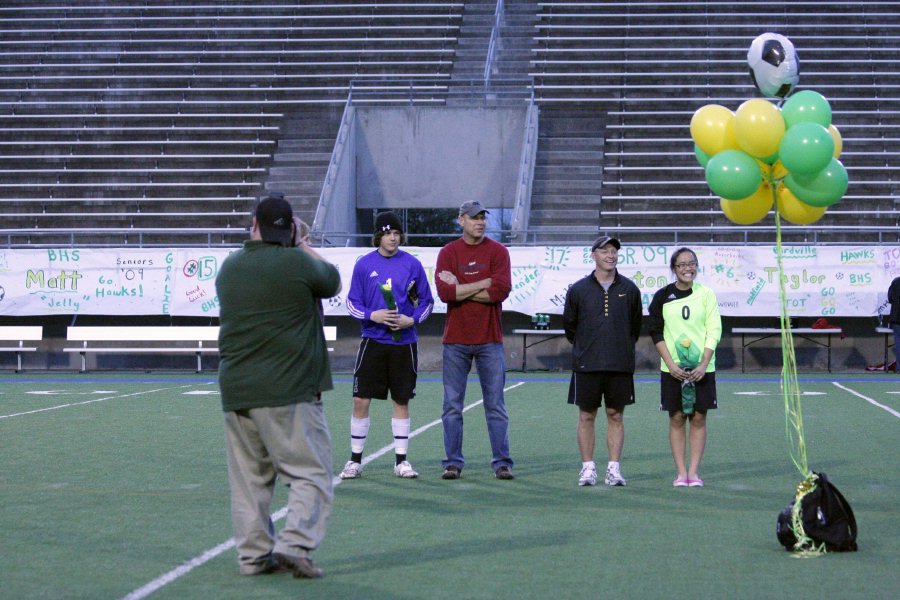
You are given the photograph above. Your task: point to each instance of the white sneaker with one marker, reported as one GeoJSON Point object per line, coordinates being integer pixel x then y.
{"type": "Point", "coordinates": [352, 470]}
{"type": "Point", "coordinates": [405, 470]}
{"type": "Point", "coordinates": [614, 477]}
{"type": "Point", "coordinates": [588, 476]}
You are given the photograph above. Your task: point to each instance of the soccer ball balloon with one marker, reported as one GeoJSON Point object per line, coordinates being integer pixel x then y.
{"type": "Point", "coordinates": [774, 66]}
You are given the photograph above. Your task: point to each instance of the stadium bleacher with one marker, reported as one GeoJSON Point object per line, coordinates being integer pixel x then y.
{"type": "Point", "coordinates": [133, 119]}
{"type": "Point", "coordinates": [145, 124]}
{"type": "Point", "coordinates": [647, 66]}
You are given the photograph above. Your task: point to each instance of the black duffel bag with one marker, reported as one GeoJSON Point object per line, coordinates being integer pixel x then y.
{"type": "Point", "coordinates": [826, 517]}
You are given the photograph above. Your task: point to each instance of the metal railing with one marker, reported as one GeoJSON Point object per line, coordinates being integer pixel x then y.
{"type": "Point", "coordinates": [438, 91]}
{"type": "Point", "coordinates": [116, 237]}
{"type": "Point", "coordinates": [327, 194]}
{"type": "Point", "coordinates": [522, 207]}
{"type": "Point", "coordinates": [492, 44]}
{"type": "Point", "coordinates": [233, 237]}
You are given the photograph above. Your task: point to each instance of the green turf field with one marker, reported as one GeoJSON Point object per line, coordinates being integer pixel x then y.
{"type": "Point", "coordinates": [114, 486]}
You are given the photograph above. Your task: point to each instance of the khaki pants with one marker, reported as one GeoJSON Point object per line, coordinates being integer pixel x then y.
{"type": "Point", "coordinates": [293, 443]}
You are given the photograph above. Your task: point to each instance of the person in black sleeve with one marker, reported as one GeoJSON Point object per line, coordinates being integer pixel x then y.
{"type": "Point", "coordinates": [894, 299]}
{"type": "Point", "coordinates": [602, 320]}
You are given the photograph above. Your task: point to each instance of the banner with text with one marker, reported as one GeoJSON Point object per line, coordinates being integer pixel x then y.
{"type": "Point", "coordinates": [820, 281]}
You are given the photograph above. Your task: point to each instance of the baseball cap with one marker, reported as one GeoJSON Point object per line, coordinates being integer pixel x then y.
{"type": "Point", "coordinates": [387, 221]}
{"type": "Point", "coordinates": [604, 240]}
{"type": "Point", "coordinates": [472, 208]}
{"type": "Point", "coordinates": [274, 216]}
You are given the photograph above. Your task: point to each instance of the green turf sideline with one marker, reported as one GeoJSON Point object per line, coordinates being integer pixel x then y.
{"type": "Point", "coordinates": [158, 583]}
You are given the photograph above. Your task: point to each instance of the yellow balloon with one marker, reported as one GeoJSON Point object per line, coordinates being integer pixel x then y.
{"type": "Point", "coordinates": [795, 211]}
{"type": "Point", "coordinates": [712, 128]}
{"type": "Point", "coordinates": [779, 171]}
{"type": "Point", "coordinates": [838, 140]}
{"type": "Point", "coordinates": [751, 209]}
{"type": "Point", "coordinates": [758, 127]}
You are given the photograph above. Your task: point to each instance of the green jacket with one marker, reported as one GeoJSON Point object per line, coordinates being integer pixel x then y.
{"type": "Point", "coordinates": [271, 345]}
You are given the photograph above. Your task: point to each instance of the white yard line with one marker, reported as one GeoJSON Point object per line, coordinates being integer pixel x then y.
{"type": "Point", "coordinates": [104, 399]}
{"type": "Point", "coordinates": [199, 560]}
{"type": "Point", "coordinates": [867, 399]}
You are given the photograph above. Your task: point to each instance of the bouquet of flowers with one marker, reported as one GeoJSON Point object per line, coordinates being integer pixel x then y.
{"type": "Point", "coordinates": [387, 292]}
{"type": "Point", "coordinates": [688, 358]}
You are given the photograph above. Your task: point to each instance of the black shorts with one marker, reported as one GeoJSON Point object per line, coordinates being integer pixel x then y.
{"type": "Point", "coordinates": [382, 367]}
{"type": "Point", "coordinates": [670, 393]}
{"type": "Point", "coordinates": [588, 390]}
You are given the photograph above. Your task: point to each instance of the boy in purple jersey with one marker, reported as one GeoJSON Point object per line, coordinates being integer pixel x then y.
{"type": "Point", "coordinates": [390, 295]}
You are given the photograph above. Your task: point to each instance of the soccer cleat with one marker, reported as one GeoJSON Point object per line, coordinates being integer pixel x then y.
{"type": "Point", "coordinates": [405, 470]}
{"type": "Point", "coordinates": [614, 477]}
{"type": "Point", "coordinates": [352, 470]}
{"type": "Point", "coordinates": [588, 476]}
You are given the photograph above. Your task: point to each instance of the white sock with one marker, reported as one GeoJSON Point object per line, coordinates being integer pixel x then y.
{"type": "Point", "coordinates": [588, 464]}
{"type": "Point", "coordinates": [359, 431]}
{"type": "Point", "coordinates": [400, 428]}
{"type": "Point", "coordinates": [613, 466]}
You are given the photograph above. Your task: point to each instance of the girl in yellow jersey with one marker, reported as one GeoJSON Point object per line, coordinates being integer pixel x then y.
{"type": "Point", "coordinates": [686, 327]}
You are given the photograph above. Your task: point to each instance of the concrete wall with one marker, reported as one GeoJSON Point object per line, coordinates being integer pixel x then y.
{"type": "Point", "coordinates": [437, 157]}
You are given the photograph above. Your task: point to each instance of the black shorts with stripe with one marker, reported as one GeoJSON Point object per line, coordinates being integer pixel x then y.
{"type": "Point", "coordinates": [670, 393]}
{"type": "Point", "coordinates": [381, 368]}
{"type": "Point", "coordinates": [590, 389]}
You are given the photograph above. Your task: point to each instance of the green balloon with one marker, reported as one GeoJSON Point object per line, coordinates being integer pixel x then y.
{"type": "Point", "coordinates": [806, 148]}
{"type": "Point", "coordinates": [771, 159]}
{"type": "Point", "coordinates": [824, 188]}
{"type": "Point", "coordinates": [733, 174]}
{"type": "Point", "coordinates": [702, 157]}
{"type": "Point", "coordinates": [806, 106]}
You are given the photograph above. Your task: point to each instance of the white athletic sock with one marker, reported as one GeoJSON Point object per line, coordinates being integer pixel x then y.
{"type": "Point", "coordinates": [359, 431]}
{"type": "Point", "coordinates": [400, 428]}
{"type": "Point", "coordinates": [613, 466]}
{"type": "Point", "coordinates": [588, 464]}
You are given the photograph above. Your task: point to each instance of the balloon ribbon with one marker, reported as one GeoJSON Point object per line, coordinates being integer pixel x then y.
{"type": "Point", "coordinates": [793, 409]}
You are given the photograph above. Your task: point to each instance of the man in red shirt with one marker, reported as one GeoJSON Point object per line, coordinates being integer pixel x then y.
{"type": "Point", "coordinates": [474, 278]}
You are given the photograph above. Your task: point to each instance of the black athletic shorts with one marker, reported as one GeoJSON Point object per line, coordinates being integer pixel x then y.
{"type": "Point", "coordinates": [383, 367]}
{"type": "Point", "coordinates": [588, 390]}
{"type": "Point", "coordinates": [670, 393]}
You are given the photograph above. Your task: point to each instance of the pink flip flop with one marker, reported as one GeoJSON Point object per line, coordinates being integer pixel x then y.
{"type": "Point", "coordinates": [695, 482]}
{"type": "Point", "coordinates": [681, 482]}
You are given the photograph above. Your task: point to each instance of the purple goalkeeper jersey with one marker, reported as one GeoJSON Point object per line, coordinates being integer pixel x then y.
{"type": "Point", "coordinates": [411, 291]}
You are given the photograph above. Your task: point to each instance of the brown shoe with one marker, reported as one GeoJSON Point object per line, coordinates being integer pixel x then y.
{"type": "Point", "coordinates": [451, 472]}
{"type": "Point", "coordinates": [270, 567]}
{"type": "Point", "coordinates": [504, 472]}
{"type": "Point", "coordinates": [300, 566]}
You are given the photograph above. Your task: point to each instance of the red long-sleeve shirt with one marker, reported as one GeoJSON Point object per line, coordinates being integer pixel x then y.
{"type": "Point", "coordinates": [469, 321]}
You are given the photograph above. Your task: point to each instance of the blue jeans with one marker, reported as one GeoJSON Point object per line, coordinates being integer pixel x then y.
{"type": "Point", "coordinates": [896, 328]}
{"type": "Point", "coordinates": [490, 362]}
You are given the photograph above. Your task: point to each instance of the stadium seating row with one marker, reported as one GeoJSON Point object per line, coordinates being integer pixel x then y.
{"type": "Point", "coordinates": [172, 86]}
{"type": "Point", "coordinates": [653, 64]}
{"type": "Point", "coordinates": [186, 104]}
